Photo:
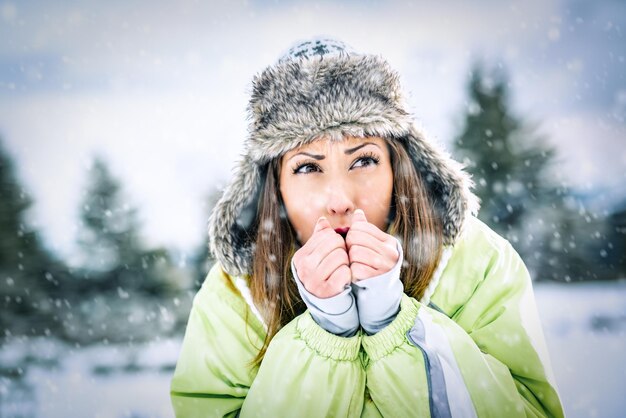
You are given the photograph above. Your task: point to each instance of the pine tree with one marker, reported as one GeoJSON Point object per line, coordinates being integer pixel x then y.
{"type": "Point", "coordinates": [506, 159]}
{"type": "Point", "coordinates": [30, 276]}
{"type": "Point", "coordinates": [109, 229]}
{"type": "Point", "coordinates": [510, 165]}
{"type": "Point", "coordinates": [17, 237]}
{"type": "Point", "coordinates": [126, 289]}
{"type": "Point", "coordinates": [616, 243]}
{"type": "Point", "coordinates": [114, 257]}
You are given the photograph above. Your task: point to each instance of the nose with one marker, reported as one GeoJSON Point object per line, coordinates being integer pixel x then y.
{"type": "Point", "coordinates": [339, 199]}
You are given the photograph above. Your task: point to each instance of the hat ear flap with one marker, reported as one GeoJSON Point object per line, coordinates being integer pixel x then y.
{"type": "Point", "coordinates": [233, 221]}
{"type": "Point", "coordinates": [449, 184]}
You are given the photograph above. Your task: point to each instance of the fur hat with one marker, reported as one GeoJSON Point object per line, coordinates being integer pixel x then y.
{"type": "Point", "coordinates": [322, 88]}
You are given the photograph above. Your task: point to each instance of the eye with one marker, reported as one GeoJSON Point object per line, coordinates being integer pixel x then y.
{"type": "Point", "coordinates": [305, 168]}
{"type": "Point", "coordinates": [366, 160]}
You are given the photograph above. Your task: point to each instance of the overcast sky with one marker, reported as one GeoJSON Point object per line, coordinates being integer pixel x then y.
{"type": "Point", "coordinates": [160, 88]}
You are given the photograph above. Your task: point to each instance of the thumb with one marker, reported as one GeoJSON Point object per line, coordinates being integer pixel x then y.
{"type": "Point", "coordinates": [322, 223]}
{"type": "Point", "coordinates": [359, 216]}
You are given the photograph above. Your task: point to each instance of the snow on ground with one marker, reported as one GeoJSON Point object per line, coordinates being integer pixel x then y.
{"type": "Point", "coordinates": [584, 325]}
{"type": "Point", "coordinates": [585, 329]}
{"type": "Point", "coordinates": [100, 381]}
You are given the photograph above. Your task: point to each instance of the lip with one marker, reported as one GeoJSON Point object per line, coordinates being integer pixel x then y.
{"type": "Point", "coordinates": [342, 231]}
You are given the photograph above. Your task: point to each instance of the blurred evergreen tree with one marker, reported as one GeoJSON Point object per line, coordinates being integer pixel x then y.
{"type": "Point", "coordinates": [126, 292]}
{"type": "Point", "coordinates": [109, 234]}
{"type": "Point", "coordinates": [510, 164]}
{"type": "Point", "coordinates": [569, 248]}
{"type": "Point", "coordinates": [616, 242]}
{"type": "Point", "coordinates": [30, 276]}
{"type": "Point", "coordinates": [507, 161]}
{"type": "Point", "coordinates": [113, 254]}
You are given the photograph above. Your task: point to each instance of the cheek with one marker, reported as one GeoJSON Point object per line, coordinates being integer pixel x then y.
{"type": "Point", "coordinates": [301, 212]}
{"type": "Point", "coordinates": [302, 220]}
{"type": "Point", "coordinates": [376, 190]}
{"type": "Point", "coordinates": [375, 196]}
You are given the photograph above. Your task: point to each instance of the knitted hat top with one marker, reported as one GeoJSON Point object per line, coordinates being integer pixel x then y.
{"type": "Point", "coordinates": [321, 88]}
{"type": "Point", "coordinates": [320, 47]}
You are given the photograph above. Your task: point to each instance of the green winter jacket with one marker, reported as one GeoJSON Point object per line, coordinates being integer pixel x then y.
{"type": "Point", "coordinates": [477, 349]}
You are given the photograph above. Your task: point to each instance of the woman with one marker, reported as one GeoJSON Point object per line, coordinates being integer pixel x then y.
{"type": "Point", "coordinates": [352, 278]}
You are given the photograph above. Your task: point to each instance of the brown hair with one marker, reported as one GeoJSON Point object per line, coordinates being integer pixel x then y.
{"type": "Point", "coordinates": [413, 219]}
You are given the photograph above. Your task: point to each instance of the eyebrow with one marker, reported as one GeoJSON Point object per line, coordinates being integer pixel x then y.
{"type": "Point", "coordinates": [348, 151]}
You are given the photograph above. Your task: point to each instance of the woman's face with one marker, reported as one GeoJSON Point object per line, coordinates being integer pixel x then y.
{"type": "Point", "coordinates": [333, 179]}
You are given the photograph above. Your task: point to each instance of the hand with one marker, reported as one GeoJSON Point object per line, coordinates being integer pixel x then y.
{"type": "Point", "coordinates": [322, 262]}
{"type": "Point", "coordinates": [371, 251]}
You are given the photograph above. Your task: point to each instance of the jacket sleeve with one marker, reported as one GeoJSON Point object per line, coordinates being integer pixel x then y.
{"type": "Point", "coordinates": [302, 365]}
{"type": "Point", "coordinates": [489, 359]}
{"type": "Point", "coordinates": [213, 375]}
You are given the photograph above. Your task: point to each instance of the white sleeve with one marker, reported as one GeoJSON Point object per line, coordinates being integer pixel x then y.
{"type": "Point", "coordinates": [337, 315]}
{"type": "Point", "coordinates": [378, 298]}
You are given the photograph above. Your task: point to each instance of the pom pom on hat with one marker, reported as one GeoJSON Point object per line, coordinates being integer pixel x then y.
{"type": "Point", "coordinates": [316, 47]}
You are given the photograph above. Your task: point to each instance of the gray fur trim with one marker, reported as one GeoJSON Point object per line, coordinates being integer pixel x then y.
{"type": "Point", "coordinates": [297, 101]}
{"type": "Point", "coordinates": [232, 217]}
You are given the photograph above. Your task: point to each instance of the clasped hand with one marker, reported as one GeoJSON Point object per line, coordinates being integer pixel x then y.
{"type": "Point", "coordinates": [327, 263]}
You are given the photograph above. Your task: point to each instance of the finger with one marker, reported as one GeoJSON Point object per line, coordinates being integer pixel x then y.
{"type": "Point", "coordinates": [359, 216]}
{"type": "Point", "coordinates": [328, 243]}
{"type": "Point", "coordinates": [362, 272]}
{"type": "Point", "coordinates": [335, 259]}
{"type": "Point", "coordinates": [321, 224]}
{"type": "Point", "coordinates": [370, 258]}
{"type": "Point", "coordinates": [356, 237]}
{"type": "Point", "coordinates": [336, 284]}
{"type": "Point", "coordinates": [318, 238]}
{"type": "Point", "coordinates": [370, 229]}
{"type": "Point", "coordinates": [338, 280]}
{"type": "Point", "coordinates": [386, 249]}
{"type": "Point", "coordinates": [309, 263]}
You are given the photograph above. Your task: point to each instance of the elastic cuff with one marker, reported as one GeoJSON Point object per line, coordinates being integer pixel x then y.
{"type": "Point", "coordinates": [384, 342]}
{"type": "Point", "coordinates": [334, 305]}
{"type": "Point", "coordinates": [326, 344]}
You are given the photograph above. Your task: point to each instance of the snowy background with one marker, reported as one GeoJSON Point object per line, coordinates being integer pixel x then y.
{"type": "Point", "coordinates": [159, 89]}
